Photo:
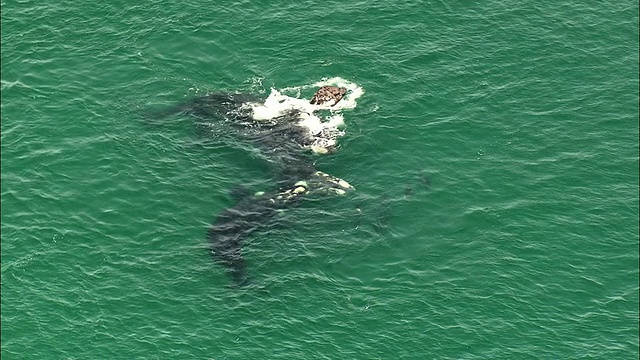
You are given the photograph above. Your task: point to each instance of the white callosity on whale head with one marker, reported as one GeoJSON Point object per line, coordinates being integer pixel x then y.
{"type": "Point", "coordinates": [326, 182]}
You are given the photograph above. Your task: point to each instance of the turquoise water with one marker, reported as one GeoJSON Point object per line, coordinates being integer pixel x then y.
{"type": "Point", "coordinates": [494, 154]}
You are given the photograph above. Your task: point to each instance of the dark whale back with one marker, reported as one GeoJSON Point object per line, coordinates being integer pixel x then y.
{"type": "Point", "coordinates": [218, 106]}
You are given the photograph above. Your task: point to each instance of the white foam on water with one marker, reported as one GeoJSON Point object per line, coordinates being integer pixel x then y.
{"type": "Point", "coordinates": [324, 130]}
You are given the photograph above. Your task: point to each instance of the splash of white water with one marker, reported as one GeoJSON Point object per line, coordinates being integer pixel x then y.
{"type": "Point", "coordinates": [324, 130]}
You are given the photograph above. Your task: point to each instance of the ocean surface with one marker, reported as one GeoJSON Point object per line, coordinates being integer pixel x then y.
{"type": "Point", "coordinates": [494, 155]}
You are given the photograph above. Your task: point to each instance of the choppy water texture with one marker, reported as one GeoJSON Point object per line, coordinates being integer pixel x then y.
{"type": "Point", "coordinates": [494, 155]}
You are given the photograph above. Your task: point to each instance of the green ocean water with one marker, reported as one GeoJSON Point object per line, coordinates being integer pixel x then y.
{"type": "Point", "coordinates": [494, 154]}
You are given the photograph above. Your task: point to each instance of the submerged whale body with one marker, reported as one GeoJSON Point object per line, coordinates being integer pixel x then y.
{"type": "Point", "coordinates": [284, 139]}
{"type": "Point", "coordinates": [233, 225]}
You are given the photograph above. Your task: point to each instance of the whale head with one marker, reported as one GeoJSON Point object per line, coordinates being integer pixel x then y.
{"type": "Point", "coordinates": [328, 94]}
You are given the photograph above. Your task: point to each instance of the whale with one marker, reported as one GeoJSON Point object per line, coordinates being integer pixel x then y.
{"type": "Point", "coordinates": [288, 137]}
{"type": "Point", "coordinates": [233, 225]}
